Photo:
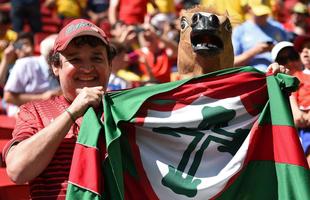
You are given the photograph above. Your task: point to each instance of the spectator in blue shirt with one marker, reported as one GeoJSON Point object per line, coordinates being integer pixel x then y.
{"type": "Point", "coordinates": [254, 39]}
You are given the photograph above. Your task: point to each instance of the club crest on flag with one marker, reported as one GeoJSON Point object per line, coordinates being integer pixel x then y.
{"type": "Point", "coordinates": [199, 149]}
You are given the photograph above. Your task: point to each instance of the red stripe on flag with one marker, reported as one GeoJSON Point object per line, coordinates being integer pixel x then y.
{"type": "Point", "coordinates": [253, 94]}
{"type": "Point", "coordinates": [85, 168]}
{"type": "Point", "coordinates": [137, 188]}
{"type": "Point", "coordinates": [277, 143]}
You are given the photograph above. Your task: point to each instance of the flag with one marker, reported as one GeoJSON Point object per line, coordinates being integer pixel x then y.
{"type": "Point", "coordinates": [224, 135]}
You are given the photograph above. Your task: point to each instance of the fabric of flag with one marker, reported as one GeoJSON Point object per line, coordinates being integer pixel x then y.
{"type": "Point", "coordinates": [224, 135]}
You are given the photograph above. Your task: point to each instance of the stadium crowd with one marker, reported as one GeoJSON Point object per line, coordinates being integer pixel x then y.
{"type": "Point", "coordinates": [145, 34]}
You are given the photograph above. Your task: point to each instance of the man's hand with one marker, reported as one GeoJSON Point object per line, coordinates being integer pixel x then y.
{"type": "Point", "coordinates": [275, 68]}
{"type": "Point", "coordinates": [88, 96]}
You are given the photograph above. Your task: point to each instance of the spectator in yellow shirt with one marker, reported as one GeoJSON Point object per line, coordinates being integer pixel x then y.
{"type": "Point", "coordinates": [67, 9]}
{"type": "Point", "coordinates": [236, 9]}
{"type": "Point", "coordinates": [6, 34]}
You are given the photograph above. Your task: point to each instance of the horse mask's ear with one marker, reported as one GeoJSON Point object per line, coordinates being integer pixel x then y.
{"type": "Point", "coordinates": [205, 42]}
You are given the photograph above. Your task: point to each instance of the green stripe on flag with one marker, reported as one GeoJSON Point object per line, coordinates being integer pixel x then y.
{"type": "Point", "coordinates": [86, 139]}
{"type": "Point", "coordinates": [269, 180]}
{"type": "Point", "coordinates": [278, 102]}
{"type": "Point", "coordinates": [76, 193]}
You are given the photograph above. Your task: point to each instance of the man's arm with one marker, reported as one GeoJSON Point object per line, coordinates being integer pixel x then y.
{"type": "Point", "coordinates": [8, 58]}
{"type": "Point", "coordinates": [22, 98]}
{"type": "Point", "coordinates": [113, 11]}
{"type": "Point", "coordinates": [29, 158]}
{"type": "Point", "coordinates": [244, 58]}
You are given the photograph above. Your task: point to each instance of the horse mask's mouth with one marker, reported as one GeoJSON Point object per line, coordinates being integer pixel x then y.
{"type": "Point", "coordinates": [205, 33]}
{"type": "Point", "coordinates": [204, 42]}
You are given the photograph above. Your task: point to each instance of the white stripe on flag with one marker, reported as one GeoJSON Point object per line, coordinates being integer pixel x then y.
{"type": "Point", "coordinates": [159, 150]}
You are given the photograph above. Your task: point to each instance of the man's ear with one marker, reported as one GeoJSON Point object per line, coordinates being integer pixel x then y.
{"type": "Point", "coordinates": [55, 70]}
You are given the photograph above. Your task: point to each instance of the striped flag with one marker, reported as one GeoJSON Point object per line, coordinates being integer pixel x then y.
{"type": "Point", "coordinates": [224, 135]}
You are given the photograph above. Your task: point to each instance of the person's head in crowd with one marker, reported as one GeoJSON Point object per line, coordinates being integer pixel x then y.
{"type": "Point", "coordinates": [148, 37]}
{"type": "Point", "coordinates": [24, 45]}
{"type": "Point", "coordinates": [260, 14]}
{"type": "Point", "coordinates": [46, 46]}
{"type": "Point", "coordinates": [117, 28]}
{"type": "Point", "coordinates": [82, 57]}
{"type": "Point", "coordinates": [164, 24]}
{"type": "Point", "coordinates": [302, 45]}
{"type": "Point", "coordinates": [299, 18]}
{"type": "Point", "coordinates": [5, 23]}
{"type": "Point", "coordinates": [300, 10]}
{"type": "Point", "coordinates": [121, 59]}
{"type": "Point", "coordinates": [285, 54]}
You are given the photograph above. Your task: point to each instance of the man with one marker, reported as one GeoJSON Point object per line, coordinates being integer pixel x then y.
{"type": "Point", "coordinates": [254, 39]}
{"type": "Point", "coordinates": [131, 12]}
{"type": "Point", "coordinates": [41, 149]}
{"type": "Point", "coordinates": [285, 54]}
{"type": "Point", "coordinates": [300, 100]}
{"type": "Point", "coordinates": [26, 9]}
{"type": "Point", "coordinates": [30, 77]}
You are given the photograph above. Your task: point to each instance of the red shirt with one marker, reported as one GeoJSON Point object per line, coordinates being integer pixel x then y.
{"type": "Point", "coordinates": [302, 95]}
{"type": "Point", "coordinates": [160, 64]}
{"type": "Point", "coordinates": [132, 11]}
{"type": "Point", "coordinates": [34, 116]}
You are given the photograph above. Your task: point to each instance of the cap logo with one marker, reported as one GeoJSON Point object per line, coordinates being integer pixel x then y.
{"type": "Point", "coordinates": [77, 26]}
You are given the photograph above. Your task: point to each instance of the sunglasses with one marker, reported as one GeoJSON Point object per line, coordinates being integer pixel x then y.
{"type": "Point", "coordinates": [18, 45]}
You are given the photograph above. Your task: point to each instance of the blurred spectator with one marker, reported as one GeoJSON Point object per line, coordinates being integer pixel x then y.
{"type": "Point", "coordinates": [156, 55]}
{"type": "Point", "coordinates": [268, 3]}
{"type": "Point", "coordinates": [300, 100]}
{"type": "Point", "coordinates": [125, 38]}
{"type": "Point", "coordinates": [131, 12]}
{"type": "Point", "coordinates": [26, 11]}
{"type": "Point", "coordinates": [254, 39]}
{"type": "Point", "coordinates": [6, 34]}
{"type": "Point", "coordinates": [236, 9]}
{"type": "Point", "coordinates": [67, 9]}
{"type": "Point", "coordinates": [298, 24]}
{"type": "Point", "coordinates": [119, 62]}
{"type": "Point", "coordinates": [127, 34]}
{"type": "Point", "coordinates": [97, 10]}
{"type": "Point", "coordinates": [285, 54]}
{"type": "Point", "coordinates": [30, 77]}
{"type": "Point", "coordinates": [166, 7]}
{"type": "Point", "coordinates": [22, 47]}
{"type": "Point", "coordinates": [188, 3]}
{"type": "Point", "coordinates": [165, 25]}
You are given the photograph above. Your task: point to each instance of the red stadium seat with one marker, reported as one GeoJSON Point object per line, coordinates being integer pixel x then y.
{"type": "Point", "coordinates": [6, 126]}
{"type": "Point", "coordinates": [10, 190]}
{"type": "Point", "coordinates": [47, 28]}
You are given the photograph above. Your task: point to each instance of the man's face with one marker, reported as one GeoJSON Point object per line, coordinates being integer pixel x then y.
{"type": "Point", "coordinates": [23, 48]}
{"type": "Point", "coordinates": [261, 20]}
{"type": "Point", "coordinates": [305, 55]}
{"type": "Point", "coordinates": [82, 66]}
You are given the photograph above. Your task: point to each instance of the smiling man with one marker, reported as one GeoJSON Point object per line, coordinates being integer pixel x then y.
{"type": "Point", "coordinates": [46, 131]}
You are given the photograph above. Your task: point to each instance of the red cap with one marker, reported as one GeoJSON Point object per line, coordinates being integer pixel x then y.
{"type": "Point", "coordinates": [300, 40]}
{"type": "Point", "coordinates": [77, 28]}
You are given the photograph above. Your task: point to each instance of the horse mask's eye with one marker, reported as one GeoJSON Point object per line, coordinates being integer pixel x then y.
{"type": "Point", "coordinates": [228, 26]}
{"type": "Point", "coordinates": [183, 23]}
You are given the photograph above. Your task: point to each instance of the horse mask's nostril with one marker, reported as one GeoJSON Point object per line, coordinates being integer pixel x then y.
{"type": "Point", "coordinates": [214, 21]}
{"type": "Point", "coordinates": [196, 18]}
